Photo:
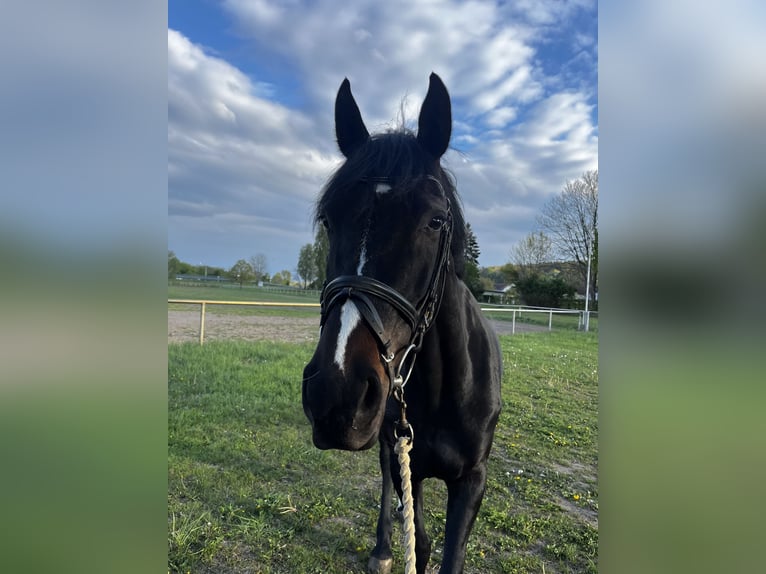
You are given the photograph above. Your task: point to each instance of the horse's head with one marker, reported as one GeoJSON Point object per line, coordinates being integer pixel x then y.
{"type": "Point", "coordinates": [396, 230]}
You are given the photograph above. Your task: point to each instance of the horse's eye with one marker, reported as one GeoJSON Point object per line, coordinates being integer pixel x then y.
{"type": "Point", "coordinates": [436, 223]}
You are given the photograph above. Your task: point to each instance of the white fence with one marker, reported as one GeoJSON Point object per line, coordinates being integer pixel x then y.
{"type": "Point", "coordinates": [583, 321]}
{"type": "Point", "coordinates": [516, 311]}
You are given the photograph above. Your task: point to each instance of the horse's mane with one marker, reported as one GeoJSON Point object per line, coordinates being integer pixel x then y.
{"type": "Point", "coordinates": [398, 157]}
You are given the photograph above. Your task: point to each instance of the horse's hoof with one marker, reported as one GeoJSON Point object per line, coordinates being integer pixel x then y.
{"type": "Point", "coordinates": [377, 566]}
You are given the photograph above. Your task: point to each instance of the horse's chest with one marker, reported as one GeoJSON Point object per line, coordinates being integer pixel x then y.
{"type": "Point", "coordinates": [446, 444]}
{"type": "Point", "coordinates": [446, 453]}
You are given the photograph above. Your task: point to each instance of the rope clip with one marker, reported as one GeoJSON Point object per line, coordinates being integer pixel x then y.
{"type": "Point", "coordinates": [406, 431]}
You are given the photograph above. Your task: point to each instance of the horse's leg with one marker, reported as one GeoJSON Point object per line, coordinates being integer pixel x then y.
{"type": "Point", "coordinates": [381, 558]}
{"type": "Point", "coordinates": [422, 542]}
{"type": "Point", "coordinates": [463, 502]}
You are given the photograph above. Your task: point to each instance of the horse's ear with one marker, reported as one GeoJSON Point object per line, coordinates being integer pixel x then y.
{"type": "Point", "coordinates": [435, 121]}
{"type": "Point", "coordinates": [349, 127]}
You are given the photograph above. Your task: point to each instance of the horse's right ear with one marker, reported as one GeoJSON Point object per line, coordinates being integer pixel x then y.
{"type": "Point", "coordinates": [349, 127]}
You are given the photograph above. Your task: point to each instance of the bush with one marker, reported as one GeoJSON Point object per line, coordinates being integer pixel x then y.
{"type": "Point", "coordinates": [539, 291]}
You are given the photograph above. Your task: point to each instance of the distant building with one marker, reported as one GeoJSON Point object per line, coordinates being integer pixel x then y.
{"type": "Point", "coordinates": [501, 294]}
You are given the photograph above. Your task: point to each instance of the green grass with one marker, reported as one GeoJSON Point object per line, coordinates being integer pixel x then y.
{"type": "Point", "coordinates": [248, 492]}
{"type": "Point", "coordinates": [234, 293]}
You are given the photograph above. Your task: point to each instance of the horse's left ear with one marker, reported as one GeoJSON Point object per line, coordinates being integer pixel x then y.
{"type": "Point", "coordinates": [435, 121]}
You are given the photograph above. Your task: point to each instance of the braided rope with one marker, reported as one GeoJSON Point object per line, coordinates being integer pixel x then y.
{"type": "Point", "coordinates": [402, 449]}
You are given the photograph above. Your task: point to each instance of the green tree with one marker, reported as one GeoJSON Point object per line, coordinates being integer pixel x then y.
{"type": "Point", "coordinates": [306, 268]}
{"type": "Point", "coordinates": [174, 265]}
{"type": "Point", "coordinates": [472, 250]}
{"type": "Point", "coordinates": [282, 277]}
{"type": "Point", "coordinates": [321, 250]}
{"type": "Point", "coordinates": [472, 276]}
{"type": "Point", "coordinates": [540, 291]}
{"type": "Point", "coordinates": [472, 279]}
{"type": "Point", "coordinates": [509, 272]}
{"type": "Point", "coordinates": [241, 272]}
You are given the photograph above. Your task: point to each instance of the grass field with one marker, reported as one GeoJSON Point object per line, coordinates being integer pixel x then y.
{"type": "Point", "coordinates": [248, 492]}
{"type": "Point", "coordinates": [234, 293]}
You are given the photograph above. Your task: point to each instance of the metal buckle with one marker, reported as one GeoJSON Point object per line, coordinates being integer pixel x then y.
{"type": "Point", "coordinates": [399, 377]}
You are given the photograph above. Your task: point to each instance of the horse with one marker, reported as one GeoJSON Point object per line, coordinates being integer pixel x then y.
{"type": "Point", "coordinates": [395, 312]}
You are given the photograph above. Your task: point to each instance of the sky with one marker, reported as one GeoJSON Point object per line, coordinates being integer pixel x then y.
{"type": "Point", "coordinates": [252, 85]}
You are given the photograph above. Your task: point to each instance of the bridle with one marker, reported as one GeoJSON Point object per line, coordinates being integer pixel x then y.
{"type": "Point", "coordinates": [359, 289]}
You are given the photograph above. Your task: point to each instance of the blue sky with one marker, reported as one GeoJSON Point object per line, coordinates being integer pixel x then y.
{"type": "Point", "coordinates": [251, 86]}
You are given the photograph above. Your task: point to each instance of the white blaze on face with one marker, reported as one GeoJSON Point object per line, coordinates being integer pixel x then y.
{"type": "Point", "coordinates": [349, 314]}
{"type": "Point", "coordinates": [349, 319]}
{"type": "Point", "coordinates": [362, 259]}
{"type": "Point", "coordinates": [382, 188]}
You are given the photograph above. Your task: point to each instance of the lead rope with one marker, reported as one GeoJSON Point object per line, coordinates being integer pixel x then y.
{"type": "Point", "coordinates": [402, 449]}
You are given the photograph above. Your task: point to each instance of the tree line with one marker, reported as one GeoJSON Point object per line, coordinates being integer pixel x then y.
{"type": "Point", "coordinates": [545, 268]}
{"type": "Point", "coordinates": [251, 270]}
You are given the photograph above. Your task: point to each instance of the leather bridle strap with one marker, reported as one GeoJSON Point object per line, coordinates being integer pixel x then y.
{"type": "Point", "coordinates": [356, 288]}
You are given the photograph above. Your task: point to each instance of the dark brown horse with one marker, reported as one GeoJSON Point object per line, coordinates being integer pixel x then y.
{"type": "Point", "coordinates": [399, 324]}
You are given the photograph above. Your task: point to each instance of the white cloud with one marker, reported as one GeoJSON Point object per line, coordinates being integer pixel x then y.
{"type": "Point", "coordinates": [234, 149]}
{"type": "Point", "coordinates": [499, 117]}
{"type": "Point", "coordinates": [237, 162]}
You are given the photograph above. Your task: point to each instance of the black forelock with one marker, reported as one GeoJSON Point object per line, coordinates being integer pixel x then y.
{"type": "Point", "coordinates": [397, 158]}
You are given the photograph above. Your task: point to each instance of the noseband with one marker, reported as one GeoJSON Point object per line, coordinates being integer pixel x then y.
{"type": "Point", "coordinates": [359, 289]}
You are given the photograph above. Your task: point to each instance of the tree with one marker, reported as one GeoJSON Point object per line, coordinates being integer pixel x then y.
{"type": "Point", "coordinates": [259, 264]}
{"type": "Point", "coordinates": [241, 272]}
{"type": "Point", "coordinates": [306, 268]}
{"type": "Point", "coordinates": [472, 250]}
{"type": "Point", "coordinates": [509, 273]}
{"type": "Point", "coordinates": [282, 277]}
{"type": "Point", "coordinates": [321, 250]}
{"type": "Point", "coordinates": [472, 279]}
{"type": "Point", "coordinates": [174, 265]}
{"type": "Point", "coordinates": [571, 220]}
{"type": "Point", "coordinates": [530, 252]}
{"type": "Point", "coordinates": [471, 276]}
{"type": "Point", "coordinates": [540, 291]}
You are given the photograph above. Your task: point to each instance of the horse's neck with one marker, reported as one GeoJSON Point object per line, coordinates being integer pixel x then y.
{"type": "Point", "coordinates": [447, 342]}
{"type": "Point", "coordinates": [454, 307]}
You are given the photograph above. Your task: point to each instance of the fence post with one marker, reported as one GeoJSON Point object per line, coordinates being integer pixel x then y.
{"type": "Point", "coordinates": [202, 323]}
{"type": "Point", "coordinates": [513, 326]}
{"type": "Point", "coordinates": [550, 320]}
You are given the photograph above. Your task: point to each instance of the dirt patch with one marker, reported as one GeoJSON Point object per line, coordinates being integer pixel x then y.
{"type": "Point", "coordinates": [573, 469]}
{"type": "Point", "coordinates": [587, 515]}
{"type": "Point", "coordinates": [506, 327]}
{"type": "Point", "coordinates": [581, 472]}
{"type": "Point", "coordinates": [183, 326]}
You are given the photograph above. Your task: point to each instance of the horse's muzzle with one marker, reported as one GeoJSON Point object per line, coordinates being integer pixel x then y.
{"type": "Point", "coordinates": [344, 414]}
